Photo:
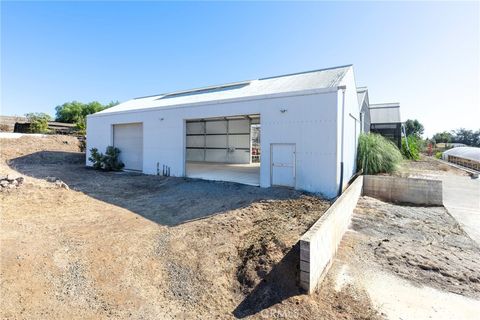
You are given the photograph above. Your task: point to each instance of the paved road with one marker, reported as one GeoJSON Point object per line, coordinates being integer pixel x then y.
{"type": "Point", "coordinates": [461, 197]}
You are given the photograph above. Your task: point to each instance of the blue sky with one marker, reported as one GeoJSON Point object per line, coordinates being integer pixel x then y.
{"type": "Point", "coordinates": [423, 55]}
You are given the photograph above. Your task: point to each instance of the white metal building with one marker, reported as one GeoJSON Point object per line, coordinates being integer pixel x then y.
{"type": "Point", "coordinates": [364, 105]}
{"type": "Point", "coordinates": [303, 120]}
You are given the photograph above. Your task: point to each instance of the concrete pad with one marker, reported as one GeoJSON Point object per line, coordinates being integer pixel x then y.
{"type": "Point", "coordinates": [399, 299]}
{"type": "Point", "coordinates": [461, 197]}
{"type": "Point", "coordinates": [241, 173]}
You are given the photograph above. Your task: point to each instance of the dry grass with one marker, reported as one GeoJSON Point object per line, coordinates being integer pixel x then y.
{"type": "Point", "coordinates": [444, 167]}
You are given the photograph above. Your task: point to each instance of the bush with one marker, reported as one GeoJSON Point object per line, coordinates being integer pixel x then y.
{"type": "Point", "coordinates": [438, 155]}
{"type": "Point", "coordinates": [96, 158]}
{"type": "Point", "coordinates": [377, 154]}
{"type": "Point", "coordinates": [82, 144]}
{"type": "Point", "coordinates": [413, 150]}
{"type": "Point", "coordinates": [108, 161]}
{"type": "Point", "coordinates": [38, 122]}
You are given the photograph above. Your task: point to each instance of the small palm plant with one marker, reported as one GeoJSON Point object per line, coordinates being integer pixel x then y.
{"type": "Point", "coordinates": [108, 161]}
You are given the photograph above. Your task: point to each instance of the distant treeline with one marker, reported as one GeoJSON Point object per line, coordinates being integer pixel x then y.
{"type": "Point", "coordinates": [468, 137]}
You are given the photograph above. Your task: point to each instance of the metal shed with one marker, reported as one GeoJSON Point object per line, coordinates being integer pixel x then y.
{"type": "Point", "coordinates": [297, 130]}
{"type": "Point", "coordinates": [364, 104]}
{"type": "Point", "coordinates": [385, 120]}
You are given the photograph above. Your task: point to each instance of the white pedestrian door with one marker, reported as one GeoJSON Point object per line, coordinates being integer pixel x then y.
{"type": "Point", "coordinates": [129, 139]}
{"type": "Point", "coordinates": [282, 158]}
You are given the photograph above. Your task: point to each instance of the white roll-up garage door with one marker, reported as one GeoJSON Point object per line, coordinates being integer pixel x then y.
{"type": "Point", "coordinates": [129, 139]}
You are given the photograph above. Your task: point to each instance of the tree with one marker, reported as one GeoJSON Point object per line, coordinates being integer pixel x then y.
{"type": "Point", "coordinates": [69, 112]}
{"type": "Point", "coordinates": [414, 127]}
{"type": "Point", "coordinates": [443, 137]}
{"type": "Point", "coordinates": [468, 137]}
{"type": "Point", "coordinates": [77, 112]}
{"type": "Point", "coordinates": [476, 138]}
{"type": "Point", "coordinates": [38, 122]}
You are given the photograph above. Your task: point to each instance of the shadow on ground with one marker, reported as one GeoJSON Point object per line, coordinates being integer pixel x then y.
{"type": "Point", "coordinates": [278, 285]}
{"type": "Point", "coordinates": [165, 200]}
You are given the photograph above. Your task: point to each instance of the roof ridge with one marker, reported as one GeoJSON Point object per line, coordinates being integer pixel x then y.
{"type": "Point", "coordinates": [215, 86]}
{"type": "Point", "coordinates": [239, 82]}
{"type": "Point", "coordinates": [385, 105]}
{"type": "Point", "coordinates": [308, 71]}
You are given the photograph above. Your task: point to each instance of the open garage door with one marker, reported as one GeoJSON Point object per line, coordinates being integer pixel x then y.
{"type": "Point", "coordinates": [129, 139]}
{"type": "Point", "coordinates": [221, 149]}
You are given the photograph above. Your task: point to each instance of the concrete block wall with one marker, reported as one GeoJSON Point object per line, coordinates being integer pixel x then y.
{"type": "Point", "coordinates": [404, 190]}
{"type": "Point", "coordinates": [319, 244]}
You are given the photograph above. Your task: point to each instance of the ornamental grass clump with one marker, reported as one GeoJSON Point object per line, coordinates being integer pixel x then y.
{"type": "Point", "coordinates": [377, 154]}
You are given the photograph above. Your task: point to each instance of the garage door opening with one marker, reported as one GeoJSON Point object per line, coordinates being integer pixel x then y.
{"type": "Point", "coordinates": [224, 149]}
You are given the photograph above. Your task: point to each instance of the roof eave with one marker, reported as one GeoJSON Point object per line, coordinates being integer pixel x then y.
{"type": "Point", "coordinates": [220, 101]}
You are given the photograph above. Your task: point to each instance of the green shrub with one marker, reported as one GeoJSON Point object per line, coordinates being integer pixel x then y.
{"type": "Point", "coordinates": [38, 122]}
{"type": "Point", "coordinates": [96, 158]}
{"type": "Point", "coordinates": [438, 155]}
{"type": "Point", "coordinates": [82, 144]}
{"type": "Point", "coordinates": [377, 154]}
{"type": "Point", "coordinates": [413, 150]}
{"type": "Point", "coordinates": [108, 161]}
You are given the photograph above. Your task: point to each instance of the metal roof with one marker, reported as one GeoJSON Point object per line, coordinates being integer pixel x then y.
{"type": "Point", "coordinates": [362, 93]}
{"type": "Point", "coordinates": [470, 153]}
{"type": "Point", "coordinates": [295, 82]}
{"type": "Point", "coordinates": [385, 113]}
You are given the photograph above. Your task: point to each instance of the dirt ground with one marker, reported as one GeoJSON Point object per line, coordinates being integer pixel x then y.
{"type": "Point", "coordinates": [123, 245]}
{"type": "Point", "coordinates": [424, 245]}
{"type": "Point", "coordinates": [427, 167]}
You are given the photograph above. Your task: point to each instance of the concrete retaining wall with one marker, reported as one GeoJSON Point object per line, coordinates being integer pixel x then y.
{"type": "Point", "coordinates": [319, 244]}
{"type": "Point", "coordinates": [406, 190]}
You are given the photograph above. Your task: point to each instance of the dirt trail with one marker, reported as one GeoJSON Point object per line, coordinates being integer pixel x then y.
{"type": "Point", "coordinates": [125, 246]}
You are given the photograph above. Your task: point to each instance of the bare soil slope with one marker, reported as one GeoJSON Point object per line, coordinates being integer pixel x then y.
{"type": "Point", "coordinates": [124, 246]}
{"type": "Point", "coordinates": [424, 245]}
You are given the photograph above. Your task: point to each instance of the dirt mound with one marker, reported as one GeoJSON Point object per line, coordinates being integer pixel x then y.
{"type": "Point", "coordinates": [258, 260]}
{"type": "Point", "coordinates": [421, 244]}
{"type": "Point", "coordinates": [267, 242]}
{"type": "Point", "coordinates": [27, 145]}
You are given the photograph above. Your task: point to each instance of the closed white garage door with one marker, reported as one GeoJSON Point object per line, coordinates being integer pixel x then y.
{"type": "Point", "coordinates": [129, 139]}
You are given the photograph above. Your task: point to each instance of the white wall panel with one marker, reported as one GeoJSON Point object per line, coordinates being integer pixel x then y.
{"type": "Point", "coordinates": [310, 121]}
{"type": "Point", "coordinates": [351, 127]}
